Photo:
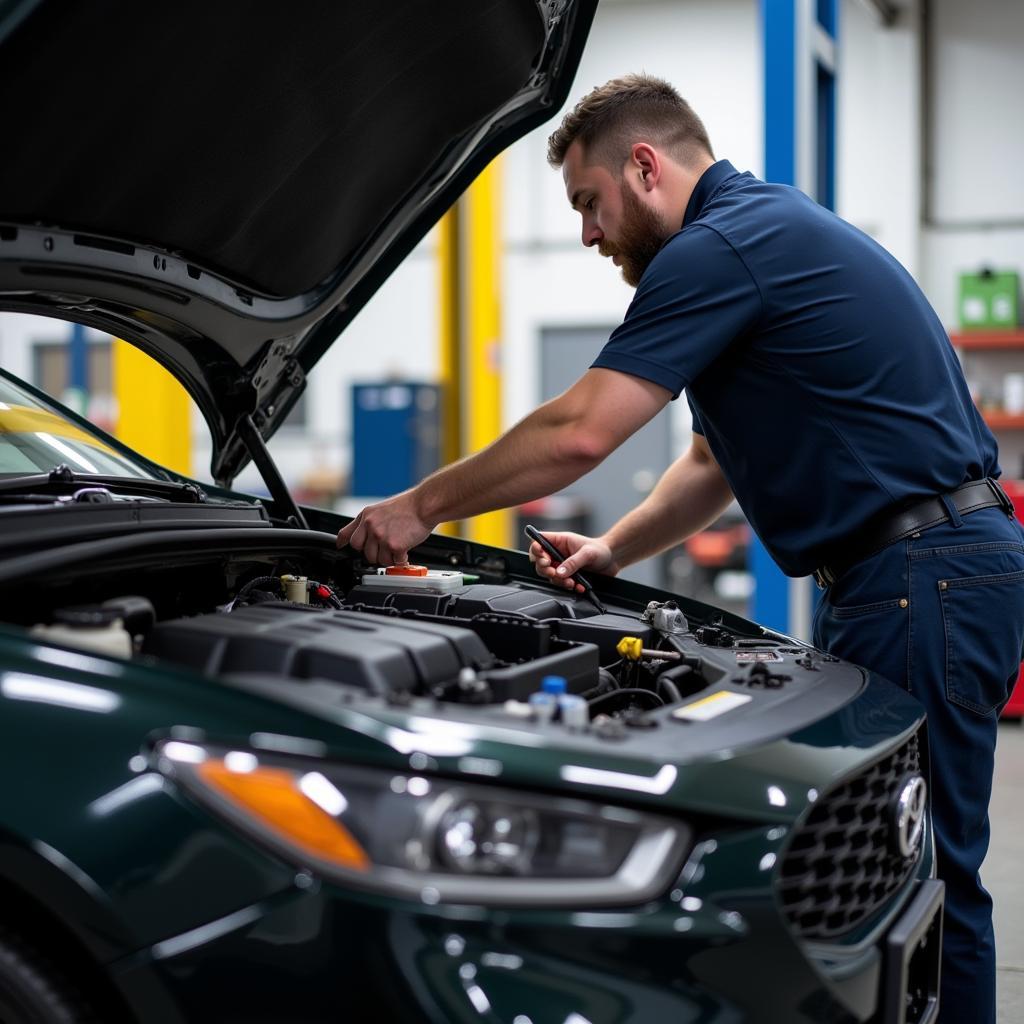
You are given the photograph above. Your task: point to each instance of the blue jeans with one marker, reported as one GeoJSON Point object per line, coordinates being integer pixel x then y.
{"type": "Point", "coordinates": [942, 615]}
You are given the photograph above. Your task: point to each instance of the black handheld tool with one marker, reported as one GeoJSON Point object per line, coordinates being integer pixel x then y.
{"type": "Point", "coordinates": [534, 534]}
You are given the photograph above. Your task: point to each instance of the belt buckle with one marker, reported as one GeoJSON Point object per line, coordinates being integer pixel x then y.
{"type": "Point", "coordinates": [823, 577]}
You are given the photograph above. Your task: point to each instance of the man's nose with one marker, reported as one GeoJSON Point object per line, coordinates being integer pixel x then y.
{"type": "Point", "coordinates": [592, 234]}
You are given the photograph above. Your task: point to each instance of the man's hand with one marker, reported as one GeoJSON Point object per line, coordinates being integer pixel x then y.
{"type": "Point", "coordinates": [581, 553]}
{"type": "Point", "coordinates": [384, 532]}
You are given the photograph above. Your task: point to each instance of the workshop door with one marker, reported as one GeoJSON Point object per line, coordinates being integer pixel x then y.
{"type": "Point", "coordinates": [627, 476]}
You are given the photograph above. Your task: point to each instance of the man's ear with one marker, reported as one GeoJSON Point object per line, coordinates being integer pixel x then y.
{"type": "Point", "coordinates": [645, 162]}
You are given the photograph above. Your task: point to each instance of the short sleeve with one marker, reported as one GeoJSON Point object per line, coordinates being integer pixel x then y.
{"type": "Point", "coordinates": [695, 298]}
{"type": "Point", "coordinates": [698, 427]}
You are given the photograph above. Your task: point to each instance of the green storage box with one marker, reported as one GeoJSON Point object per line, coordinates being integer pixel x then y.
{"type": "Point", "coordinates": [988, 300]}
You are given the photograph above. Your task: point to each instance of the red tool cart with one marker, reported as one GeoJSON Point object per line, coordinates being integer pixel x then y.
{"type": "Point", "coordinates": [1015, 706]}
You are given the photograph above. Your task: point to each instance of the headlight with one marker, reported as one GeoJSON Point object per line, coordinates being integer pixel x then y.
{"type": "Point", "coordinates": [433, 839]}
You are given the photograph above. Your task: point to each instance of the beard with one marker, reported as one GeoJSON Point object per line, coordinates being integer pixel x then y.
{"type": "Point", "coordinates": [642, 235]}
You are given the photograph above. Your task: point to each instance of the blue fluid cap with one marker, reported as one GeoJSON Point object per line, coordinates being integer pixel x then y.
{"type": "Point", "coordinates": [553, 684]}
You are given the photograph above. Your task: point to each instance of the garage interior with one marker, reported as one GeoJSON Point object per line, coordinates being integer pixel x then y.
{"type": "Point", "coordinates": [903, 116]}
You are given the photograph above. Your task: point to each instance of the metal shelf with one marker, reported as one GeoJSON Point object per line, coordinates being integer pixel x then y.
{"type": "Point", "coordinates": [1004, 420]}
{"type": "Point", "coordinates": [992, 340]}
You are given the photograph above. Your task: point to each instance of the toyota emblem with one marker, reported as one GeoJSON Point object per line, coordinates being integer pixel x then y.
{"type": "Point", "coordinates": [908, 814]}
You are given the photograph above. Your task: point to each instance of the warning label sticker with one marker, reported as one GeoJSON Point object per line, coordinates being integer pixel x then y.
{"type": "Point", "coordinates": [711, 707]}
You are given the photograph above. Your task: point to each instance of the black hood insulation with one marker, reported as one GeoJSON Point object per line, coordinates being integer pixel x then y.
{"type": "Point", "coordinates": [232, 134]}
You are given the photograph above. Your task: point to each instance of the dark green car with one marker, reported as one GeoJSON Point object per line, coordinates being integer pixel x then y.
{"type": "Point", "coordinates": [249, 778]}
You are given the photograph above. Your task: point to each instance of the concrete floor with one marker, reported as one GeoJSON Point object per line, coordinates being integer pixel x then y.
{"type": "Point", "coordinates": [1003, 871]}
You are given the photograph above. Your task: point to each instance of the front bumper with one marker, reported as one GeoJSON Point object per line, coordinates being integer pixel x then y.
{"type": "Point", "coordinates": [720, 957]}
{"type": "Point", "coordinates": [913, 956]}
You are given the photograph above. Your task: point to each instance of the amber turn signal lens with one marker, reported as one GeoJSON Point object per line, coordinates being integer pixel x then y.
{"type": "Point", "coordinates": [272, 795]}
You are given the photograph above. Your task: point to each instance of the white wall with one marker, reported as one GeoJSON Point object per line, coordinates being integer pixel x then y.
{"type": "Point", "coordinates": [977, 86]}
{"type": "Point", "coordinates": [19, 333]}
{"type": "Point", "coordinates": [878, 159]}
{"type": "Point", "coordinates": [977, 152]}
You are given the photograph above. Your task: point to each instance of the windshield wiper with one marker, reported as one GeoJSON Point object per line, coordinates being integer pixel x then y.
{"type": "Point", "coordinates": [63, 480]}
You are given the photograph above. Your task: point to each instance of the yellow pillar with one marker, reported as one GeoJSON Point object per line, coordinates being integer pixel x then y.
{"type": "Point", "coordinates": [153, 409]}
{"type": "Point", "coordinates": [449, 356]}
{"type": "Point", "coordinates": [482, 383]}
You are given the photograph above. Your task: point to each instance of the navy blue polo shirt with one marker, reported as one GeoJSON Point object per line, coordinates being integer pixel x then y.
{"type": "Point", "coordinates": [822, 379]}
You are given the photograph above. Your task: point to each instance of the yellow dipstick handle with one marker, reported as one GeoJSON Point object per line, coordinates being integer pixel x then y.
{"type": "Point", "coordinates": [632, 647]}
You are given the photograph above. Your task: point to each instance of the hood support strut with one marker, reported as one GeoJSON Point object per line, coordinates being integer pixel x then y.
{"type": "Point", "coordinates": [257, 448]}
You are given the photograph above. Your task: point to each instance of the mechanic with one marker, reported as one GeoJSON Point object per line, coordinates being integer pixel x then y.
{"type": "Point", "coordinates": [828, 400]}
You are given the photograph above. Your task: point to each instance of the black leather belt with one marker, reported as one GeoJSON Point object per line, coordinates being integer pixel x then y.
{"type": "Point", "coordinates": [968, 498]}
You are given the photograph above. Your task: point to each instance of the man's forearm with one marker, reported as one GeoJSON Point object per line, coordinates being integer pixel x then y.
{"type": "Point", "coordinates": [540, 455]}
{"type": "Point", "coordinates": [691, 493]}
{"type": "Point", "coordinates": [545, 452]}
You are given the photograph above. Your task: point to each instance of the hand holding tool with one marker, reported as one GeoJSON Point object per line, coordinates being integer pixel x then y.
{"type": "Point", "coordinates": [534, 534]}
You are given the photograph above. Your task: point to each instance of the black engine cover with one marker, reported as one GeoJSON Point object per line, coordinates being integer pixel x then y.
{"type": "Point", "coordinates": [370, 651]}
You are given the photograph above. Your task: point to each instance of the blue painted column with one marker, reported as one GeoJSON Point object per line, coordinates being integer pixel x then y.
{"type": "Point", "coordinates": [799, 149]}
{"type": "Point", "coordinates": [77, 394]}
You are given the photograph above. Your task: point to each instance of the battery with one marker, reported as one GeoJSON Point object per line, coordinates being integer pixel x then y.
{"type": "Point", "coordinates": [443, 580]}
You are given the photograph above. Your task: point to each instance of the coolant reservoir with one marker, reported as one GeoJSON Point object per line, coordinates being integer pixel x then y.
{"type": "Point", "coordinates": [90, 628]}
{"type": "Point", "coordinates": [296, 588]}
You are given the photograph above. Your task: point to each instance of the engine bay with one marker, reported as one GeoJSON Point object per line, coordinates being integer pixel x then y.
{"type": "Point", "coordinates": [476, 641]}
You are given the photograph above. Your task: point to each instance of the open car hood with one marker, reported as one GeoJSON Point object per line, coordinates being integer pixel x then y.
{"type": "Point", "coordinates": [227, 184]}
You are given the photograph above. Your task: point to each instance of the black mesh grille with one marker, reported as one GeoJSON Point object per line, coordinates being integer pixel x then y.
{"type": "Point", "coordinates": [842, 863]}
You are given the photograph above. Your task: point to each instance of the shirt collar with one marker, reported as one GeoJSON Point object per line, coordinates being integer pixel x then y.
{"type": "Point", "coordinates": [706, 187]}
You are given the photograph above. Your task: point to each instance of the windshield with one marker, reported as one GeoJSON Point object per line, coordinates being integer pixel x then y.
{"type": "Point", "coordinates": [35, 438]}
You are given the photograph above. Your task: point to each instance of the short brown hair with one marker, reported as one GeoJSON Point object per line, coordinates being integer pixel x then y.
{"type": "Point", "coordinates": [634, 108]}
